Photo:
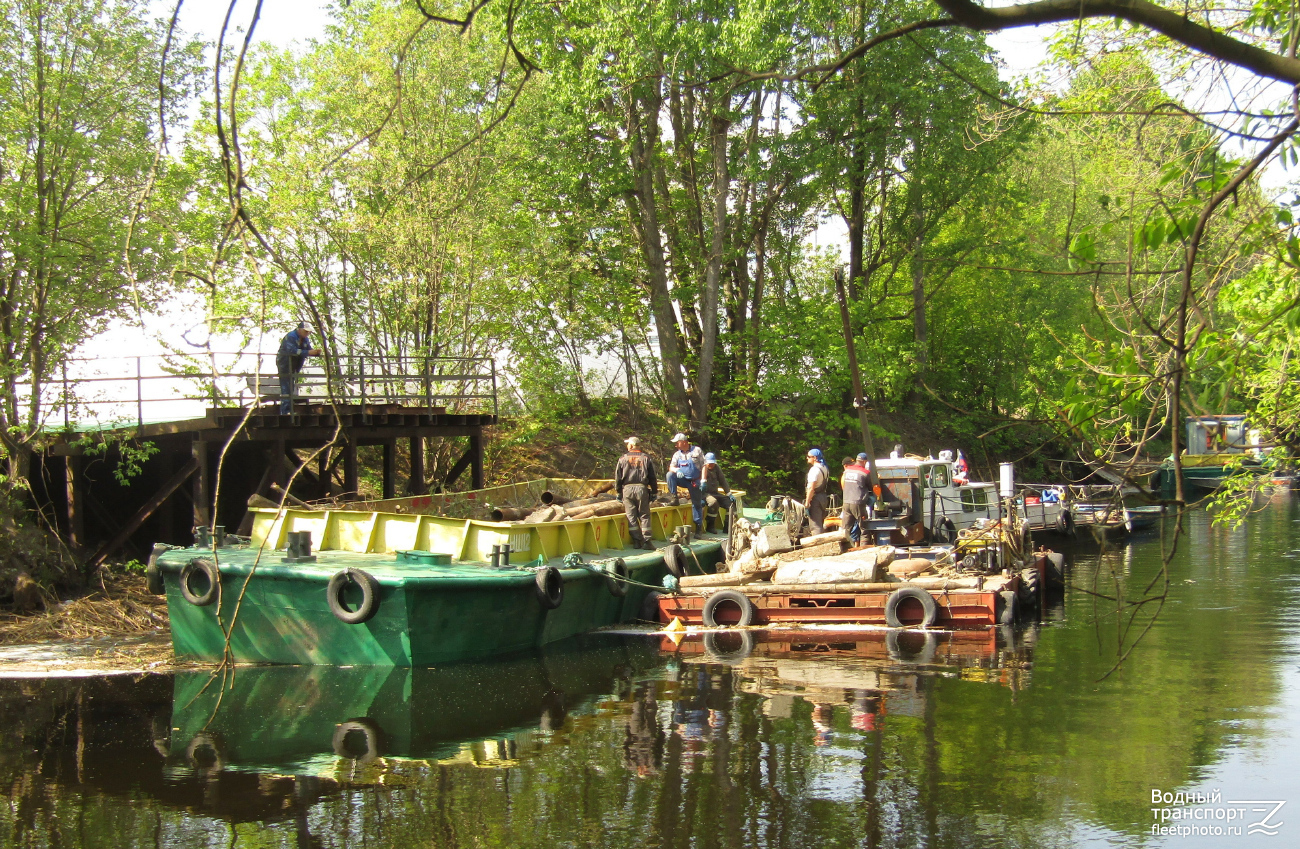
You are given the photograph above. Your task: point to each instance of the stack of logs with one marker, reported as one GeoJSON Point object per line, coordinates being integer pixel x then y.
{"type": "Point", "coordinates": [557, 508]}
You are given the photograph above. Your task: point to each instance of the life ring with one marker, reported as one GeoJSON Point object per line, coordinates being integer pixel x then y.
{"type": "Point", "coordinates": [369, 595]}
{"type": "Point", "coordinates": [550, 587]}
{"type": "Point", "coordinates": [675, 560]}
{"type": "Point", "coordinates": [930, 610]}
{"type": "Point", "coordinates": [1065, 523]}
{"type": "Point", "coordinates": [210, 574]}
{"type": "Point", "coordinates": [719, 649]}
{"type": "Point", "coordinates": [345, 735]}
{"type": "Point", "coordinates": [616, 578]}
{"type": "Point", "coordinates": [650, 607]}
{"type": "Point", "coordinates": [1009, 607]}
{"type": "Point", "coordinates": [722, 597]}
{"type": "Point", "coordinates": [906, 653]}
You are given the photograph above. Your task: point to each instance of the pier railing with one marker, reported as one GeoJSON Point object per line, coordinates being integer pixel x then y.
{"type": "Point", "coordinates": [121, 391]}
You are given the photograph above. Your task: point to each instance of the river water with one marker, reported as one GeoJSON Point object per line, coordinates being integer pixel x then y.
{"type": "Point", "coordinates": [986, 740]}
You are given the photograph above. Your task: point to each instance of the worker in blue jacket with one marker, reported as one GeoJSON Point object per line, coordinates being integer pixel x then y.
{"type": "Point", "coordinates": [294, 350]}
{"type": "Point", "coordinates": [684, 470]}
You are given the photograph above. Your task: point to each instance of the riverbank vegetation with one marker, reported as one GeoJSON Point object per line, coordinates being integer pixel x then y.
{"type": "Point", "coordinates": [651, 203]}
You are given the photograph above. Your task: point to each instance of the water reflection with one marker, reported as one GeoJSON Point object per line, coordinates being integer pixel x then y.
{"type": "Point", "coordinates": [970, 739]}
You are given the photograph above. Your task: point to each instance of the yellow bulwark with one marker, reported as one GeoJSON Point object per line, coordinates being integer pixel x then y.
{"type": "Point", "coordinates": [447, 523]}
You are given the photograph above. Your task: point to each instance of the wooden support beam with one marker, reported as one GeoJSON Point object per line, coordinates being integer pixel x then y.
{"type": "Point", "coordinates": [351, 479]}
{"type": "Point", "coordinates": [76, 488]}
{"type": "Point", "coordinates": [390, 468]}
{"type": "Point", "coordinates": [323, 473]}
{"type": "Point", "coordinates": [476, 458]}
{"type": "Point", "coordinates": [202, 489]}
{"type": "Point", "coordinates": [416, 484]}
{"type": "Point", "coordinates": [461, 465]}
{"type": "Point", "coordinates": [134, 523]}
{"type": "Point", "coordinates": [299, 467]}
{"type": "Point", "coordinates": [279, 474]}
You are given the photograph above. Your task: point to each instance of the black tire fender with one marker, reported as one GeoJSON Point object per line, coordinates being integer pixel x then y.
{"type": "Point", "coordinates": [348, 731]}
{"type": "Point", "coordinates": [650, 607]}
{"type": "Point", "coordinates": [369, 595]}
{"type": "Point", "coordinates": [675, 560]}
{"type": "Point", "coordinates": [898, 596]}
{"type": "Point", "coordinates": [152, 574]}
{"type": "Point", "coordinates": [616, 577]}
{"type": "Point", "coordinates": [206, 742]}
{"type": "Point", "coordinates": [205, 567]}
{"type": "Point", "coordinates": [947, 531]}
{"type": "Point", "coordinates": [899, 651]}
{"type": "Point", "coordinates": [1065, 523]}
{"type": "Point", "coordinates": [718, 648]}
{"type": "Point", "coordinates": [1008, 607]}
{"type": "Point", "coordinates": [549, 584]}
{"type": "Point", "coordinates": [722, 597]}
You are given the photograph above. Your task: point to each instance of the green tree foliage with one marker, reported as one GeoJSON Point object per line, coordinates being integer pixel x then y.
{"type": "Point", "coordinates": [84, 194]}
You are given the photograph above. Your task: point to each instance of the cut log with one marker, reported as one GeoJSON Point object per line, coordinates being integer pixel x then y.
{"type": "Point", "coordinates": [932, 585]}
{"type": "Point", "coordinates": [726, 579]}
{"type": "Point", "coordinates": [771, 539]}
{"type": "Point", "coordinates": [825, 549]}
{"type": "Point", "coordinates": [817, 539]}
{"type": "Point", "coordinates": [910, 566]}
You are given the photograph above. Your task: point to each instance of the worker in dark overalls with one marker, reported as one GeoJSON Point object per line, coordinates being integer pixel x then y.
{"type": "Point", "coordinates": [294, 350]}
{"type": "Point", "coordinates": [635, 482]}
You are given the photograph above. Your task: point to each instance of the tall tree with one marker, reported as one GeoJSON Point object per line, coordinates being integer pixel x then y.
{"type": "Point", "coordinates": [84, 233]}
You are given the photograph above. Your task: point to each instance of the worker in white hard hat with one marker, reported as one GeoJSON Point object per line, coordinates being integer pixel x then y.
{"type": "Point", "coordinates": [635, 482]}
{"type": "Point", "coordinates": [684, 470]}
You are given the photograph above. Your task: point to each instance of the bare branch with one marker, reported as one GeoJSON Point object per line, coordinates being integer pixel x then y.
{"type": "Point", "coordinates": [1183, 30]}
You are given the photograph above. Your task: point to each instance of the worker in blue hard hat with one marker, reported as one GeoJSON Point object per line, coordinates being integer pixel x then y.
{"type": "Point", "coordinates": [717, 494]}
{"type": "Point", "coordinates": [818, 481]}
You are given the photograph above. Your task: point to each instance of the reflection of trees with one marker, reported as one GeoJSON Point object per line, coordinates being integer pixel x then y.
{"type": "Point", "coordinates": [700, 755]}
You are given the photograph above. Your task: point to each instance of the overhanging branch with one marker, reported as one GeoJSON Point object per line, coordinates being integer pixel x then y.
{"type": "Point", "coordinates": [1208, 41]}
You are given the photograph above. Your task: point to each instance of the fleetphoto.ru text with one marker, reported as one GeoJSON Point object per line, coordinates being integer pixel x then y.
{"type": "Point", "coordinates": [1208, 814]}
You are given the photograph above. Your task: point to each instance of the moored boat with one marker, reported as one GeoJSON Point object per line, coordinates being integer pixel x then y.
{"type": "Point", "coordinates": [1217, 447]}
{"type": "Point", "coordinates": [982, 581]}
{"type": "Point", "coordinates": [409, 589]}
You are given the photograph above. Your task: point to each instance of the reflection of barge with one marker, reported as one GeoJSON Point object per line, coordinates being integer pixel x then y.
{"type": "Point", "coordinates": [868, 673]}
{"type": "Point", "coordinates": [392, 585]}
{"type": "Point", "coordinates": [332, 722]}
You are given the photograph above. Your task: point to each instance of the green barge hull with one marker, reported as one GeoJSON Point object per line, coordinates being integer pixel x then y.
{"type": "Point", "coordinates": [280, 613]}
{"type": "Point", "coordinates": [435, 598]}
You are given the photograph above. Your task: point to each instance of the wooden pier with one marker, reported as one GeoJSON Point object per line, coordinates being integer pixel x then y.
{"type": "Point", "coordinates": [206, 468]}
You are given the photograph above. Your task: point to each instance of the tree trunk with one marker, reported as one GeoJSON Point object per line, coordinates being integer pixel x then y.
{"type": "Point", "coordinates": [643, 137]}
{"type": "Point", "coordinates": [709, 320]}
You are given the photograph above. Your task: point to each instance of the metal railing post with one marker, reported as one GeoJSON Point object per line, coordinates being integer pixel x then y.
{"type": "Point", "coordinates": [361, 376]}
{"type": "Point", "coordinates": [139, 394]}
{"type": "Point", "coordinates": [492, 364]}
{"type": "Point", "coordinates": [66, 420]}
